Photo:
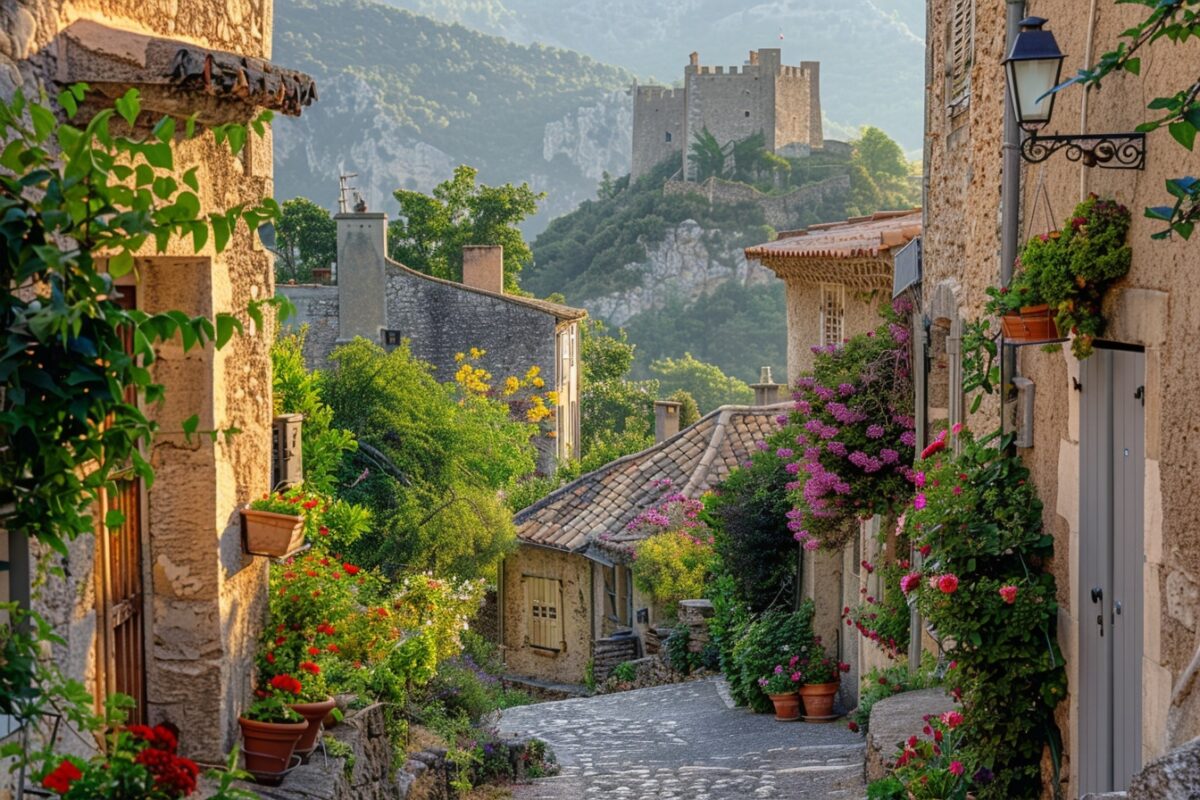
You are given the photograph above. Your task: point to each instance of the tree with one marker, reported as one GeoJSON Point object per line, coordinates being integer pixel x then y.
{"type": "Point", "coordinates": [431, 466]}
{"type": "Point", "coordinates": [433, 228]}
{"type": "Point", "coordinates": [882, 162]}
{"type": "Point", "coordinates": [707, 156]}
{"type": "Point", "coordinates": [689, 412]}
{"type": "Point", "coordinates": [617, 413]}
{"type": "Point", "coordinates": [307, 240]}
{"type": "Point", "coordinates": [705, 382]}
{"type": "Point", "coordinates": [752, 161]}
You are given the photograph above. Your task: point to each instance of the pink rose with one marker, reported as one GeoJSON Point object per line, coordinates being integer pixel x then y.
{"type": "Point", "coordinates": [1009, 593]}
{"type": "Point", "coordinates": [952, 719]}
{"type": "Point", "coordinates": [956, 768]}
{"type": "Point", "coordinates": [910, 582]}
{"type": "Point", "coordinates": [948, 584]}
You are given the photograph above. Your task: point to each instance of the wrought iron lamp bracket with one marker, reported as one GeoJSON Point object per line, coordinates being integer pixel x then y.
{"type": "Point", "coordinates": [1105, 150]}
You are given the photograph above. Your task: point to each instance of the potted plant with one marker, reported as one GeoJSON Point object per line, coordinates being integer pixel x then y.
{"type": "Point", "coordinates": [820, 676]}
{"type": "Point", "coordinates": [1025, 318]}
{"type": "Point", "coordinates": [271, 729]}
{"type": "Point", "coordinates": [1069, 271]}
{"type": "Point", "coordinates": [274, 525]}
{"type": "Point", "coordinates": [314, 703]}
{"type": "Point", "coordinates": [781, 686]}
{"type": "Point", "coordinates": [937, 768]}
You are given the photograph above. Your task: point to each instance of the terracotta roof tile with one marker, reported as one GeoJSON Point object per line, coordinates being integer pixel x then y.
{"type": "Point", "coordinates": [855, 238]}
{"type": "Point", "coordinates": [606, 500]}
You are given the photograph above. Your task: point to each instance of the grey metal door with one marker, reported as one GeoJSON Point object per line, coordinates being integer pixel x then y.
{"type": "Point", "coordinates": [1112, 471]}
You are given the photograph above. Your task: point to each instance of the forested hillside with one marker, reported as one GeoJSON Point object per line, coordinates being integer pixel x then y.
{"type": "Point", "coordinates": [405, 99]}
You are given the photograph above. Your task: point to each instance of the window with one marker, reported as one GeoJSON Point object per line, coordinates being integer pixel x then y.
{"type": "Point", "coordinates": [545, 613]}
{"type": "Point", "coordinates": [668, 136]}
{"type": "Point", "coordinates": [747, 115]}
{"type": "Point", "coordinates": [960, 53]}
{"type": "Point", "coordinates": [392, 338]}
{"type": "Point", "coordinates": [833, 313]}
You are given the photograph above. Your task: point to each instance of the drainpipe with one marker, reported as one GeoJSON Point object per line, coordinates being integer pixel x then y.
{"type": "Point", "coordinates": [1010, 197]}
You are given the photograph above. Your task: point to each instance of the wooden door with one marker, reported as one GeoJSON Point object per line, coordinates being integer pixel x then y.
{"type": "Point", "coordinates": [119, 593]}
{"type": "Point", "coordinates": [1112, 474]}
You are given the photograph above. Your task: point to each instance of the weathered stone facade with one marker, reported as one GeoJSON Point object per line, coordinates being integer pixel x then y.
{"type": "Point", "coordinates": [782, 102]}
{"type": "Point", "coordinates": [377, 298]}
{"type": "Point", "coordinates": [1155, 308]}
{"type": "Point", "coordinates": [204, 599]}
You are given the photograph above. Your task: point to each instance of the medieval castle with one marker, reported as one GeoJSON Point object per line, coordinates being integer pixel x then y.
{"type": "Point", "coordinates": [764, 95]}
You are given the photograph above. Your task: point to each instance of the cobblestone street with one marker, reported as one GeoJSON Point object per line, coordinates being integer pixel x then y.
{"type": "Point", "coordinates": [685, 742]}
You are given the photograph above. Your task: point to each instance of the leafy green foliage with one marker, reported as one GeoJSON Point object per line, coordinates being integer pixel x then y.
{"type": "Point", "coordinates": [616, 413]}
{"type": "Point", "coordinates": [433, 228]}
{"type": "Point", "coordinates": [672, 566]}
{"type": "Point", "coordinates": [883, 164]}
{"type": "Point", "coordinates": [625, 672]}
{"type": "Point", "coordinates": [730, 618]}
{"type": "Point", "coordinates": [431, 463]}
{"type": "Point", "coordinates": [298, 391]}
{"type": "Point", "coordinates": [706, 156]}
{"type": "Point", "coordinates": [980, 519]}
{"type": "Point", "coordinates": [748, 514]}
{"type": "Point", "coordinates": [880, 684]}
{"type": "Point", "coordinates": [71, 385]}
{"type": "Point", "coordinates": [307, 240]}
{"type": "Point", "coordinates": [710, 387]}
{"type": "Point", "coordinates": [689, 411]}
{"type": "Point", "coordinates": [772, 639]}
{"type": "Point", "coordinates": [1177, 21]}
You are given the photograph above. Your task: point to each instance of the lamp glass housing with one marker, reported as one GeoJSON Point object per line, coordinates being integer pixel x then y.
{"type": "Point", "coordinates": [1033, 67]}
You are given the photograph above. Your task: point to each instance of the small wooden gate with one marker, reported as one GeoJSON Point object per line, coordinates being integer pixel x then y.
{"type": "Point", "coordinates": [119, 594]}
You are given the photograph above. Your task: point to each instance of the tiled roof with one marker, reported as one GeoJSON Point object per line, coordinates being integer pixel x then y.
{"type": "Point", "coordinates": [605, 501]}
{"type": "Point", "coordinates": [859, 237]}
{"type": "Point", "coordinates": [557, 310]}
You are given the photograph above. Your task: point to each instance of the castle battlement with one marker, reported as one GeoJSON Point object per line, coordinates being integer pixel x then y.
{"type": "Point", "coordinates": [764, 95]}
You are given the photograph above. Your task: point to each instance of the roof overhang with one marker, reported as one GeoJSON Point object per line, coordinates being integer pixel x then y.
{"type": "Point", "coordinates": [178, 78]}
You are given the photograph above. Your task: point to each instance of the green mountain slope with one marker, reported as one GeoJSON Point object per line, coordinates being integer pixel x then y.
{"type": "Point", "coordinates": [404, 99]}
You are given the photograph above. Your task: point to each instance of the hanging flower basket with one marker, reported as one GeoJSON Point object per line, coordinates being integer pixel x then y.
{"type": "Point", "coordinates": [1031, 325]}
{"type": "Point", "coordinates": [267, 533]}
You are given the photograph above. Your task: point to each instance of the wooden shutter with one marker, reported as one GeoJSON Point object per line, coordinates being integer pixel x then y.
{"type": "Point", "coordinates": [545, 612]}
{"type": "Point", "coordinates": [833, 313]}
{"type": "Point", "coordinates": [960, 53]}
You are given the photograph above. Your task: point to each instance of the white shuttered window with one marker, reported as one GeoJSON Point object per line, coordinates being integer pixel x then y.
{"type": "Point", "coordinates": [545, 612]}
{"type": "Point", "coordinates": [833, 313]}
{"type": "Point", "coordinates": [960, 53]}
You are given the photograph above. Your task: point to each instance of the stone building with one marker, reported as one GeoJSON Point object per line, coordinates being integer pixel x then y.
{"type": "Point", "coordinates": [168, 608]}
{"type": "Point", "coordinates": [568, 593]}
{"type": "Point", "coordinates": [1111, 441]}
{"type": "Point", "coordinates": [386, 302]}
{"type": "Point", "coordinates": [764, 95]}
{"type": "Point", "coordinates": [838, 276]}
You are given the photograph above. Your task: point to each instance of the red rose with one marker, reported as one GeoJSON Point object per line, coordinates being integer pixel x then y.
{"type": "Point", "coordinates": [948, 584]}
{"type": "Point", "coordinates": [350, 569]}
{"type": "Point", "coordinates": [1009, 593]}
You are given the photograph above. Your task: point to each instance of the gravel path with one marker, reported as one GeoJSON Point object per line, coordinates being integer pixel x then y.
{"type": "Point", "coordinates": [685, 742]}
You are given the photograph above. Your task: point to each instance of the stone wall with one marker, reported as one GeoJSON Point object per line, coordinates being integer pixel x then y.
{"type": "Point", "coordinates": [317, 308]}
{"type": "Point", "coordinates": [783, 211]}
{"type": "Point", "coordinates": [804, 320]}
{"type": "Point", "coordinates": [205, 599]}
{"type": "Point", "coordinates": [610, 653]}
{"type": "Point", "coordinates": [575, 573]}
{"type": "Point", "coordinates": [1156, 307]}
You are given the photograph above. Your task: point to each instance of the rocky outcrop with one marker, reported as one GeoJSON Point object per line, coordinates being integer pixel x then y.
{"type": "Point", "coordinates": [689, 262]}
{"type": "Point", "coordinates": [595, 138]}
{"type": "Point", "coordinates": [1175, 776]}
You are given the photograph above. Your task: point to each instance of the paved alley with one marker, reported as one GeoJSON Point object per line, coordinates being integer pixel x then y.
{"type": "Point", "coordinates": [685, 742]}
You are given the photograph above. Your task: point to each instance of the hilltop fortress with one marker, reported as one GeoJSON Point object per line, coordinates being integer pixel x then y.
{"type": "Point", "coordinates": [763, 95]}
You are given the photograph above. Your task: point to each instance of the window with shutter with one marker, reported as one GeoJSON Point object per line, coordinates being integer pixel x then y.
{"type": "Point", "coordinates": [960, 53]}
{"type": "Point", "coordinates": [545, 612]}
{"type": "Point", "coordinates": [833, 313]}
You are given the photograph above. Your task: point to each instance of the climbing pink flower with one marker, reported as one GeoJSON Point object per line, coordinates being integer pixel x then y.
{"type": "Point", "coordinates": [1009, 593]}
{"type": "Point", "coordinates": [948, 584]}
{"type": "Point", "coordinates": [919, 501]}
{"type": "Point", "coordinates": [910, 582]}
{"type": "Point", "coordinates": [956, 768]}
{"type": "Point", "coordinates": [952, 719]}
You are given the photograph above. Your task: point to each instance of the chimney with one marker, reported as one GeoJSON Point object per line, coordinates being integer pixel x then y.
{"type": "Point", "coordinates": [766, 391]}
{"type": "Point", "coordinates": [361, 254]}
{"type": "Point", "coordinates": [753, 58]}
{"type": "Point", "coordinates": [666, 419]}
{"type": "Point", "coordinates": [694, 58]}
{"type": "Point", "coordinates": [483, 267]}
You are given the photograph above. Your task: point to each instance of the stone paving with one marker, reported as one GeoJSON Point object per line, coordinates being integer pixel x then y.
{"type": "Point", "coordinates": [685, 742]}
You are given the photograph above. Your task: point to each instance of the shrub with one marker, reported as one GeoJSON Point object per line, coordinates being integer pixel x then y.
{"type": "Point", "coordinates": [679, 656]}
{"type": "Point", "coordinates": [750, 531]}
{"type": "Point", "coordinates": [625, 672]}
{"type": "Point", "coordinates": [881, 684]}
{"type": "Point", "coordinates": [670, 567]}
{"type": "Point", "coordinates": [774, 637]}
{"type": "Point", "coordinates": [729, 621]}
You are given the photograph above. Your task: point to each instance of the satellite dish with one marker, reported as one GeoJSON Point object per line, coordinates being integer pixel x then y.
{"type": "Point", "coordinates": [266, 235]}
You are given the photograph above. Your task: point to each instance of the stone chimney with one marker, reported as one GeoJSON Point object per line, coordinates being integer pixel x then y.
{"type": "Point", "coordinates": [766, 391]}
{"type": "Point", "coordinates": [753, 58]}
{"type": "Point", "coordinates": [666, 419]}
{"type": "Point", "coordinates": [483, 267]}
{"type": "Point", "coordinates": [694, 59]}
{"type": "Point", "coordinates": [362, 290]}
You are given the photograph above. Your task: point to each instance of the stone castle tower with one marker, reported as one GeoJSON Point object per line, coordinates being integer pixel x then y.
{"type": "Point", "coordinates": [763, 95]}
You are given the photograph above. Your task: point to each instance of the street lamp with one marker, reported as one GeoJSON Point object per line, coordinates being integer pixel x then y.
{"type": "Point", "coordinates": [1033, 68]}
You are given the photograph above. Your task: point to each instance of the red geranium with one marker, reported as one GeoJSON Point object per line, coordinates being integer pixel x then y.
{"type": "Point", "coordinates": [286, 683]}
{"type": "Point", "coordinates": [310, 667]}
{"type": "Point", "coordinates": [62, 777]}
{"type": "Point", "coordinates": [350, 569]}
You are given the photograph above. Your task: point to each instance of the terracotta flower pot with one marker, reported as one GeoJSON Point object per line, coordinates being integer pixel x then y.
{"type": "Point", "coordinates": [1033, 324]}
{"type": "Point", "coordinates": [314, 714]}
{"type": "Point", "coordinates": [787, 706]}
{"type": "Point", "coordinates": [268, 746]}
{"type": "Point", "coordinates": [269, 534]}
{"type": "Point", "coordinates": [818, 698]}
